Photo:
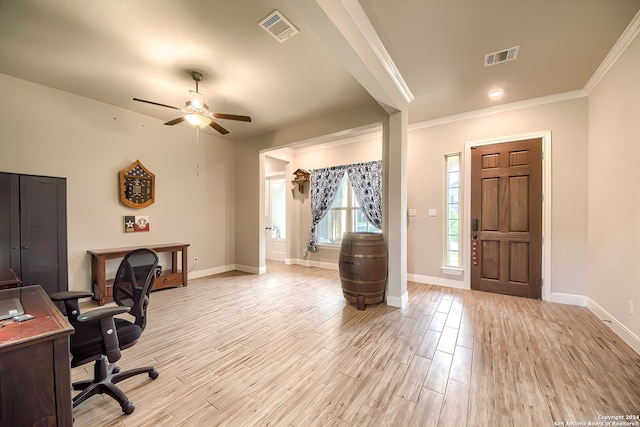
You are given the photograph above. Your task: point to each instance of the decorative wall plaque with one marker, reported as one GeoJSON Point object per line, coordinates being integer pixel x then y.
{"type": "Point", "coordinates": [133, 224]}
{"type": "Point", "coordinates": [137, 186]}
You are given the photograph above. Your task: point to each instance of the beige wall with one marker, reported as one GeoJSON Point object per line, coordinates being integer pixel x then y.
{"type": "Point", "coordinates": [250, 170]}
{"type": "Point", "coordinates": [427, 146]}
{"type": "Point", "coordinates": [89, 142]}
{"type": "Point", "coordinates": [567, 121]}
{"type": "Point", "coordinates": [365, 149]}
{"type": "Point", "coordinates": [614, 193]}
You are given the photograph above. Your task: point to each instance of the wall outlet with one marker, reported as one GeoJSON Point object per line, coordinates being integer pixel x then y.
{"type": "Point", "coordinates": [195, 259]}
{"type": "Point", "coordinates": [630, 308]}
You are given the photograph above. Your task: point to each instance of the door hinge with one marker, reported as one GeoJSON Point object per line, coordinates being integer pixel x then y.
{"type": "Point", "coordinates": [542, 154]}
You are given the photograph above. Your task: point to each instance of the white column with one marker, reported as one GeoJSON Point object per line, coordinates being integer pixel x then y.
{"type": "Point", "coordinates": [395, 206]}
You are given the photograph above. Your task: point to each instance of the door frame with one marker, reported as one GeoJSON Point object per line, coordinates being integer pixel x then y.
{"type": "Point", "coordinates": [546, 204]}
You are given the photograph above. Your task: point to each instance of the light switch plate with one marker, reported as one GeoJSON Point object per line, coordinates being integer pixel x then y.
{"type": "Point", "coordinates": [432, 212]}
{"type": "Point", "coordinates": [413, 212]}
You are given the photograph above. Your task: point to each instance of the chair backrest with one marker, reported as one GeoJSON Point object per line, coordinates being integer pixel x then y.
{"type": "Point", "coordinates": [134, 279]}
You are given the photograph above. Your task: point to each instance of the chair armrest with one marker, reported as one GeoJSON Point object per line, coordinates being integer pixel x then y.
{"type": "Point", "coordinates": [105, 319]}
{"type": "Point", "coordinates": [64, 296]}
{"type": "Point", "coordinates": [71, 302]}
{"type": "Point", "coordinates": [100, 313]}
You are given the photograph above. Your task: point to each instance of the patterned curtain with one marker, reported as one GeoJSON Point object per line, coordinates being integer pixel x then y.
{"type": "Point", "coordinates": [324, 184]}
{"type": "Point", "coordinates": [366, 180]}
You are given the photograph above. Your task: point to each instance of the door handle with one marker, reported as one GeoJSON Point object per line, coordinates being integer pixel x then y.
{"type": "Point", "coordinates": [474, 224]}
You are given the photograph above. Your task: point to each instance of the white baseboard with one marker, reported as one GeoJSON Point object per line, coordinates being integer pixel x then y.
{"type": "Point", "coordinates": [622, 331]}
{"type": "Point", "coordinates": [250, 269]}
{"type": "Point", "coordinates": [398, 301]}
{"type": "Point", "coordinates": [319, 264]}
{"type": "Point", "coordinates": [572, 299]}
{"type": "Point", "coordinates": [210, 271]}
{"type": "Point", "coordinates": [438, 281]}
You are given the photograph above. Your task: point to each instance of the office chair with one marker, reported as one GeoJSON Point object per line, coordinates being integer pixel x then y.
{"type": "Point", "coordinates": [94, 338]}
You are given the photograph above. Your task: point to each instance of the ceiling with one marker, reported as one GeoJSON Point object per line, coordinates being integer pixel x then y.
{"type": "Point", "coordinates": [113, 51]}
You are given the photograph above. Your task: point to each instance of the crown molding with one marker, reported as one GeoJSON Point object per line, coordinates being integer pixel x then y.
{"type": "Point", "coordinates": [627, 37]}
{"type": "Point", "coordinates": [566, 96]}
{"type": "Point", "coordinates": [359, 17]}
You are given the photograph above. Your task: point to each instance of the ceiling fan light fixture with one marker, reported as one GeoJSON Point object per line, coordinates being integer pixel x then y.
{"type": "Point", "coordinates": [197, 100]}
{"type": "Point", "coordinates": [198, 120]}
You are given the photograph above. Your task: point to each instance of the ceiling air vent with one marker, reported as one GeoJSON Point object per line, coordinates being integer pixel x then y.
{"type": "Point", "coordinates": [501, 56]}
{"type": "Point", "coordinates": [278, 26]}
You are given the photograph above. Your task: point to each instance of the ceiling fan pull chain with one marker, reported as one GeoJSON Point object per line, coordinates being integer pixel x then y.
{"type": "Point", "coordinates": [197, 151]}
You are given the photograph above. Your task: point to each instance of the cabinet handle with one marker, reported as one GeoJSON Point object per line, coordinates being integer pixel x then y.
{"type": "Point", "coordinates": [25, 247]}
{"type": "Point", "coordinates": [166, 279]}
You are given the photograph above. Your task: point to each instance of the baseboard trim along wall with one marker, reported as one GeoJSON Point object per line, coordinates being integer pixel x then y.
{"type": "Point", "coordinates": [250, 269]}
{"type": "Point", "coordinates": [398, 301]}
{"type": "Point", "coordinates": [622, 331]}
{"type": "Point", "coordinates": [572, 299]}
{"type": "Point", "coordinates": [320, 264]}
{"type": "Point", "coordinates": [438, 281]}
{"type": "Point", "coordinates": [210, 271]}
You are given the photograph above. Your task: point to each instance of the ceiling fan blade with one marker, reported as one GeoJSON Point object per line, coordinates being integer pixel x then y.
{"type": "Point", "coordinates": [157, 103]}
{"type": "Point", "coordinates": [218, 128]}
{"type": "Point", "coordinates": [232, 117]}
{"type": "Point", "coordinates": [175, 121]}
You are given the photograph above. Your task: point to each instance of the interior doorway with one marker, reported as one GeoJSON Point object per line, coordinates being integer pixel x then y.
{"type": "Point", "coordinates": [275, 212]}
{"type": "Point", "coordinates": [506, 218]}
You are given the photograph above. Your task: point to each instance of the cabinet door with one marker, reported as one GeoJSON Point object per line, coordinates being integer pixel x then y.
{"type": "Point", "coordinates": [43, 225]}
{"type": "Point", "coordinates": [10, 222]}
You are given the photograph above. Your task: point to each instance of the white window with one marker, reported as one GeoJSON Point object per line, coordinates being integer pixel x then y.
{"type": "Point", "coordinates": [343, 216]}
{"type": "Point", "coordinates": [453, 255]}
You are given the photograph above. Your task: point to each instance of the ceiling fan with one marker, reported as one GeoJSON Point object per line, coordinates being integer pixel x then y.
{"type": "Point", "coordinates": [197, 112]}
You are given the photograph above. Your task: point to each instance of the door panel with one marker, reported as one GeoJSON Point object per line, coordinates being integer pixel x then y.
{"type": "Point", "coordinates": [43, 220]}
{"type": "Point", "coordinates": [10, 222]}
{"type": "Point", "coordinates": [275, 218]}
{"type": "Point", "coordinates": [506, 201]}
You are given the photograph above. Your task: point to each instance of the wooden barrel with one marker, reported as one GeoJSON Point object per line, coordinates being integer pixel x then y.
{"type": "Point", "coordinates": [363, 268]}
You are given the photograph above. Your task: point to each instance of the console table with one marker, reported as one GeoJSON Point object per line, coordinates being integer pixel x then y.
{"type": "Point", "coordinates": [35, 373]}
{"type": "Point", "coordinates": [170, 277]}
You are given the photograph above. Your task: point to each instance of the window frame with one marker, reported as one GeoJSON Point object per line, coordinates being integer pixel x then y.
{"type": "Point", "coordinates": [448, 247]}
{"type": "Point", "coordinates": [351, 210]}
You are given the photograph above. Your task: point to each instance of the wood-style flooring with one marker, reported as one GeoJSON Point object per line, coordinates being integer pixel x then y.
{"type": "Point", "coordinates": [285, 349]}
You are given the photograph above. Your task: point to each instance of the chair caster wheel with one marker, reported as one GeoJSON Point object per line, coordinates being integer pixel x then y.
{"type": "Point", "coordinates": [154, 374]}
{"type": "Point", "coordinates": [128, 408]}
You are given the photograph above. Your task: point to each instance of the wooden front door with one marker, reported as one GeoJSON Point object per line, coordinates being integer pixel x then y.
{"type": "Point", "coordinates": [506, 218]}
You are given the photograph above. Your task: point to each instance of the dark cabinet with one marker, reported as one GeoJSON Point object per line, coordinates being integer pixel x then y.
{"type": "Point", "coordinates": [33, 229]}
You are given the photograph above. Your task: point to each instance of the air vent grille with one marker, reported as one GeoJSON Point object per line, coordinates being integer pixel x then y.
{"type": "Point", "coordinates": [501, 56]}
{"type": "Point", "coordinates": [278, 26]}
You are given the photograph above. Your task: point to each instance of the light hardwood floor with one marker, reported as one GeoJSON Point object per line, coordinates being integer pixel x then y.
{"type": "Point", "coordinates": [286, 349]}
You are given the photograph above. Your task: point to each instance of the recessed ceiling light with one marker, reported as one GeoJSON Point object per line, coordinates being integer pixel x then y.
{"type": "Point", "coordinates": [495, 94]}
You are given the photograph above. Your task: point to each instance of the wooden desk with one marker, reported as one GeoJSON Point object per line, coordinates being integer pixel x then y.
{"type": "Point", "coordinates": [35, 372]}
{"type": "Point", "coordinates": [171, 277]}
{"type": "Point", "coordinates": [8, 279]}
